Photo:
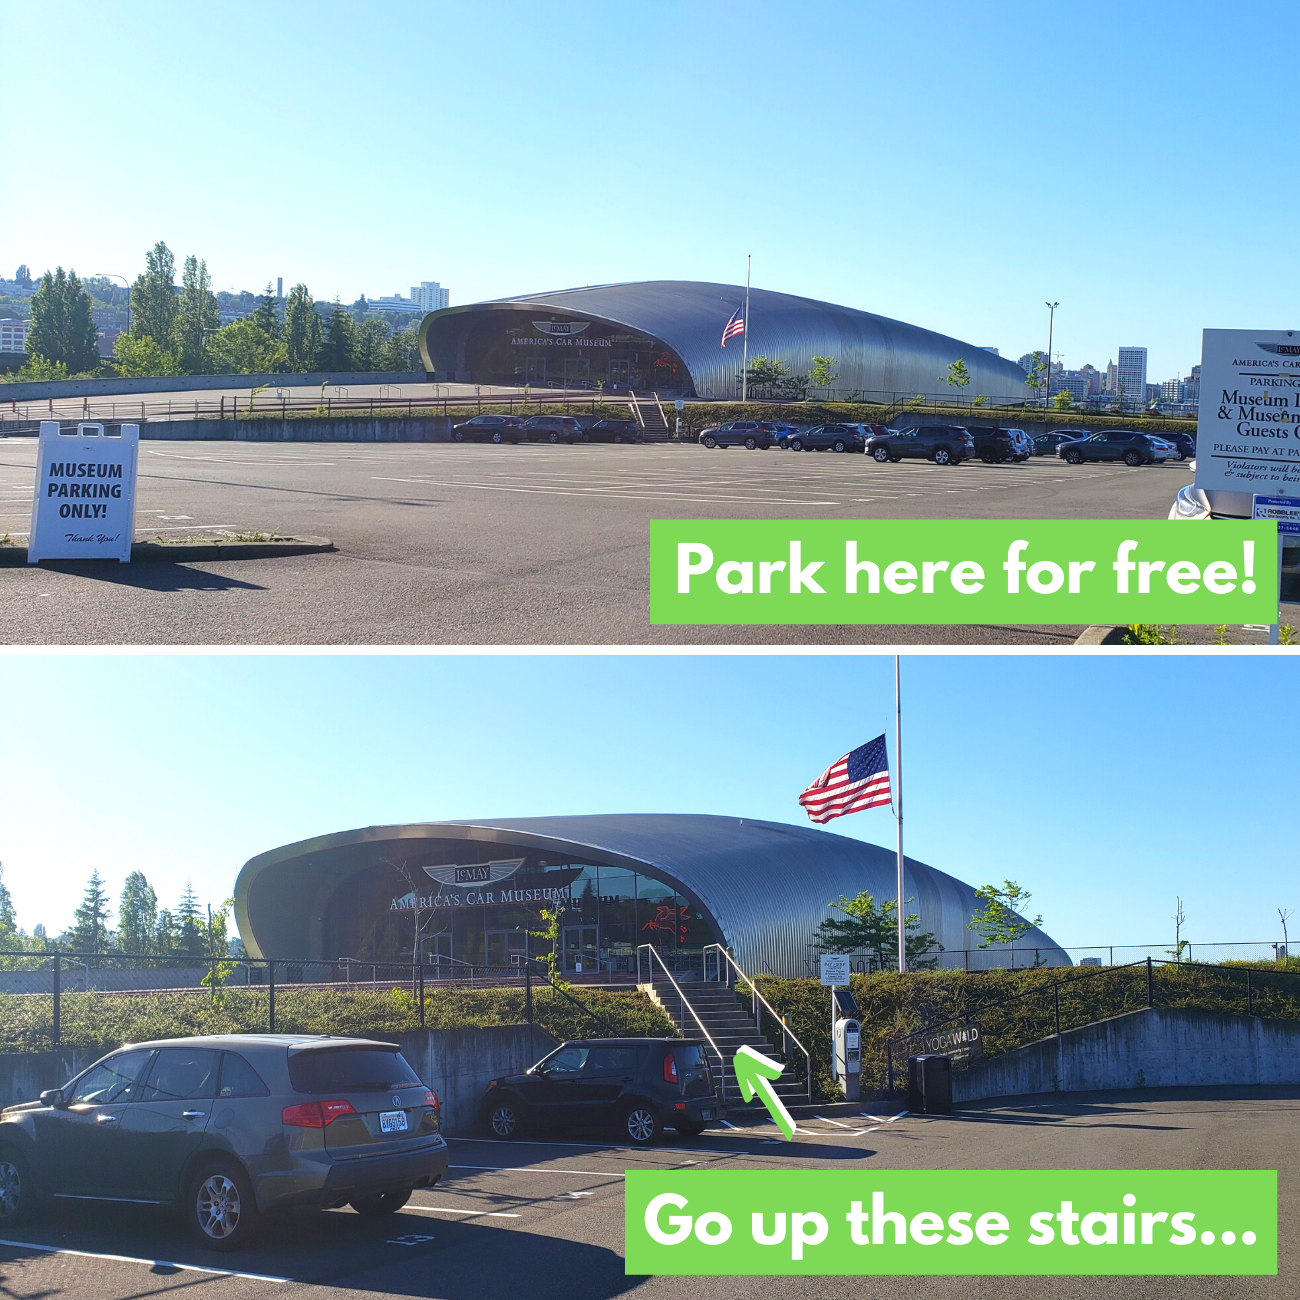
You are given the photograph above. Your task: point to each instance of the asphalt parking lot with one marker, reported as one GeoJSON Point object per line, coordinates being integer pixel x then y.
{"type": "Point", "coordinates": [442, 543]}
{"type": "Point", "coordinates": [536, 1220]}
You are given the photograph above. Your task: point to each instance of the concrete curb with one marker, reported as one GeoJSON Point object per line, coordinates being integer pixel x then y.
{"type": "Point", "coordinates": [1099, 635]}
{"type": "Point", "coordinates": [155, 552]}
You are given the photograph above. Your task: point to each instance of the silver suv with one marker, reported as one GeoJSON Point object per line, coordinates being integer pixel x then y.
{"type": "Point", "coordinates": [228, 1128]}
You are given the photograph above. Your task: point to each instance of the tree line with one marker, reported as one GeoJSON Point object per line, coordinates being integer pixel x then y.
{"type": "Point", "coordinates": [180, 333]}
{"type": "Point", "coordinates": [142, 927]}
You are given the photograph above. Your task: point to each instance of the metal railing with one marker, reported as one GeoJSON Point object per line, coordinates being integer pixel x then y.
{"type": "Point", "coordinates": [786, 1031]}
{"type": "Point", "coordinates": [722, 1060]}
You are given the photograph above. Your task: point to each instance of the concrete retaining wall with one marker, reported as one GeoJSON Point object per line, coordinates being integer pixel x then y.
{"type": "Point", "coordinates": [1153, 1048]}
{"type": "Point", "coordinates": [432, 428]}
{"type": "Point", "coordinates": [455, 1063]}
{"type": "Point", "coordinates": [42, 390]}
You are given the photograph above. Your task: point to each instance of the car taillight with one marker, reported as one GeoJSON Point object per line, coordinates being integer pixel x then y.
{"type": "Point", "coordinates": [670, 1069]}
{"type": "Point", "coordinates": [315, 1114]}
{"type": "Point", "coordinates": [431, 1099]}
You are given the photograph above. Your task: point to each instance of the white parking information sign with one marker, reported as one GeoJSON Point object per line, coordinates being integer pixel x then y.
{"type": "Point", "coordinates": [835, 969]}
{"type": "Point", "coordinates": [1247, 432]}
{"type": "Point", "coordinates": [83, 507]}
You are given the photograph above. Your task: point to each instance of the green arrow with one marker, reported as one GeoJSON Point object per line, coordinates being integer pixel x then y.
{"type": "Point", "coordinates": [754, 1073]}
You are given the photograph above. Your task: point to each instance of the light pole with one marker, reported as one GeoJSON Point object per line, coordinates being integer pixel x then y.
{"type": "Point", "coordinates": [103, 275]}
{"type": "Point", "coordinates": [1051, 320]}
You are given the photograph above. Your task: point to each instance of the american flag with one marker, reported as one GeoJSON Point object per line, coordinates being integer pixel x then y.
{"type": "Point", "coordinates": [858, 780]}
{"type": "Point", "coordinates": [735, 326]}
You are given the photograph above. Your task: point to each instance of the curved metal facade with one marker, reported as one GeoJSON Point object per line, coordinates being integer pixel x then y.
{"type": "Point", "coordinates": [873, 354]}
{"type": "Point", "coordinates": [763, 886]}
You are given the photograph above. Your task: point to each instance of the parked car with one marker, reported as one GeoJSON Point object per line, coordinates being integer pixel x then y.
{"type": "Point", "coordinates": [227, 1128]}
{"type": "Point", "coordinates": [994, 446]}
{"type": "Point", "coordinates": [552, 428]}
{"type": "Point", "coordinates": [753, 434]}
{"type": "Point", "coordinates": [829, 437]}
{"type": "Point", "coordinates": [610, 431]}
{"type": "Point", "coordinates": [944, 444]}
{"type": "Point", "coordinates": [637, 1085]}
{"type": "Point", "coordinates": [490, 428]}
{"type": "Point", "coordinates": [1045, 444]}
{"type": "Point", "coordinates": [1116, 444]}
{"type": "Point", "coordinates": [1024, 444]}
{"type": "Point", "coordinates": [1184, 445]}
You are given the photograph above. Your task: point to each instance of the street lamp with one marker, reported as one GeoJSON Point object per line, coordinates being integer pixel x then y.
{"type": "Point", "coordinates": [103, 275]}
{"type": "Point", "coordinates": [1051, 320]}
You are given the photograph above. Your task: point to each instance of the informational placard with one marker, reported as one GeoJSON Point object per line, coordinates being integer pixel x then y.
{"type": "Point", "coordinates": [1248, 432]}
{"type": "Point", "coordinates": [83, 507]}
{"type": "Point", "coordinates": [835, 969]}
{"type": "Point", "coordinates": [1284, 510]}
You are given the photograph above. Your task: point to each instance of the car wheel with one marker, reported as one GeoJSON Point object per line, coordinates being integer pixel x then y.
{"type": "Point", "coordinates": [222, 1211]}
{"type": "Point", "coordinates": [618, 437]}
{"type": "Point", "coordinates": [586, 438]}
{"type": "Point", "coordinates": [458, 436]}
{"type": "Point", "coordinates": [691, 1128]}
{"type": "Point", "coordinates": [17, 1194]}
{"type": "Point", "coordinates": [1182, 455]}
{"type": "Point", "coordinates": [555, 437]}
{"type": "Point", "coordinates": [880, 454]}
{"type": "Point", "coordinates": [642, 1124]}
{"type": "Point", "coordinates": [710, 442]}
{"type": "Point", "coordinates": [498, 437]}
{"type": "Point", "coordinates": [988, 457]}
{"type": "Point", "coordinates": [380, 1203]}
{"type": "Point", "coordinates": [796, 444]}
{"type": "Point", "coordinates": [751, 444]}
{"type": "Point", "coordinates": [1074, 458]}
{"type": "Point", "coordinates": [1132, 459]}
{"type": "Point", "coordinates": [893, 460]}
{"type": "Point", "coordinates": [941, 456]}
{"type": "Point", "coordinates": [504, 1120]}
{"type": "Point", "coordinates": [839, 446]}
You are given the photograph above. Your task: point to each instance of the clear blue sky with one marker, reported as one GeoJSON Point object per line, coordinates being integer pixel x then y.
{"type": "Point", "coordinates": [1106, 785]}
{"type": "Point", "coordinates": [950, 164]}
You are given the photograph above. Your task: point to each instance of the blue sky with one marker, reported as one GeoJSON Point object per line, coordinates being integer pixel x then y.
{"type": "Point", "coordinates": [1106, 785]}
{"type": "Point", "coordinates": [950, 164]}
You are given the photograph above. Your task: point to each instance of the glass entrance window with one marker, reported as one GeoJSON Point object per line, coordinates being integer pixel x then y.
{"type": "Point", "coordinates": [438, 952]}
{"type": "Point", "coordinates": [504, 945]}
{"type": "Point", "coordinates": [580, 952]}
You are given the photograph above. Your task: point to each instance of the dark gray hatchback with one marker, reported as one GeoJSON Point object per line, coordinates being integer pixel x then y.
{"type": "Point", "coordinates": [228, 1127]}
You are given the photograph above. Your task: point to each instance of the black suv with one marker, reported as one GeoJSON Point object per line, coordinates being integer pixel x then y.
{"type": "Point", "coordinates": [1131, 447]}
{"type": "Point", "coordinates": [944, 444]}
{"type": "Point", "coordinates": [553, 428]}
{"type": "Point", "coordinates": [994, 446]}
{"type": "Point", "coordinates": [490, 428]}
{"type": "Point", "coordinates": [639, 1085]}
{"type": "Point", "coordinates": [743, 433]}
{"type": "Point", "coordinates": [833, 437]}
{"type": "Point", "coordinates": [1045, 444]}
{"type": "Point", "coordinates": [610, 431]}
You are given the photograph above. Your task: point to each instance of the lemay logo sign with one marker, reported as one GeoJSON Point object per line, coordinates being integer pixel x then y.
{"type": "Point", "coordinates": [83, 505]}
{"type": "Point", "coordinates": [561, 327]}
{"type": "Point", "coordinates": [919, 571]}
{"type": "Point", "coordinates": [971, 1221]}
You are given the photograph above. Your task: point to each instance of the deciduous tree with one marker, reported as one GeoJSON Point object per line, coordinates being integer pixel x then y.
{"type": "Point", "coordinates": [999, 919]}
{"type": "Point", "coordinates": [197, 314]}
{"type": "Point", "coordinates": [137, 916]}
{"type": "Point", "coordinates": [872, 928]}
{"type": "Point", "coordinates": [62, 328]}
{"type": "Point", "coordinates": [153, 297]}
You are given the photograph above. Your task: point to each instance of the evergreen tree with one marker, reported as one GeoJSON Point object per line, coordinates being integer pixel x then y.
{"type": "Point", "coordinates": [302, 331]}
{"type": "Point", "coordinates": [62, 328]}
{"type": "Point", "coordinates": [402, 352]}
{"type": "Point", "coordinates": [191, 925]}
{"type": "Point", "coordinates": [153, 297]}
{"type": "Point", "coordinates": [196, 313]}
{"type": "Point", "coordinates": [90, 931]}
{"type": "Point", "coordinates": [266, 318]}
{"type": "Point", "coordinates": [340, 341]}
{"type": "Point", "coordinates": [371, 342]}
{"type": "Point", "coordinates": [8, 916]}
{"type": "Point", "coordinates": [167, 936]}
{"type": "Point", "coordinates": [137, 916]}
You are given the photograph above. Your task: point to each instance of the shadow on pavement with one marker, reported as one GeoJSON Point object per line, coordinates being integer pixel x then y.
{"type": "Point", "coordinates": [152, 576]}
{"type": "Point", "coordinates": [1038, 1109]}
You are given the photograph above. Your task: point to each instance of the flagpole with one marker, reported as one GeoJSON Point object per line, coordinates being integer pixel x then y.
{"type": "Point", "coordinates": [898, 763]}
{"type": "Point", "coordinates": [744, 362]}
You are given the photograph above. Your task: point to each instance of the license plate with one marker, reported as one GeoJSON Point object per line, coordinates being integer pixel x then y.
{"type": "Point", "coordinates": [706, 1114]}
{"type": "Point", "coordinates": [392, 1121]}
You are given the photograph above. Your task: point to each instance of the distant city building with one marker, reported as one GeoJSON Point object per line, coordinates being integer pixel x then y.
{"type": "Point", "coordinates": [1094, 378]}
{"type": "Point", "coordinates": [433, 297]}
{"type": "Point", "coordinates": [393, 302]}
{"type": "Point", "coordinates": [1131, 379]}
{"type": "Point", "coordinates": [1192, 386]}
{"type": "Point", "coordinates": [1111, 383]}
{"type": "Point", "coordinates": [995, 352]}
{"type": "Point", "coordinates": [13, 335]}
{"type": "Point", "coordinates": [1173, 390]}
{"type": "Point", "coordinates": [1026, 361]}
{"type": "Point", "coordinates": [12, 289]}
{"type": "Point", "coordinates": [1073, 382]}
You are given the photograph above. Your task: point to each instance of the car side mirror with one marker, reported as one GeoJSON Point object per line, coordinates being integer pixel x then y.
{"type": "Point", "coordinates": [52, 1097]}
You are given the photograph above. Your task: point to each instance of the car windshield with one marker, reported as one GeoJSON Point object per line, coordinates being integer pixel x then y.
{"type": "Point", "coordinates": [350, 1069]}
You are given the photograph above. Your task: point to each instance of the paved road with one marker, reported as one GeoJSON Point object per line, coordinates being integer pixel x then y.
{"type": "Point", "coordinates": [443, 543]}
{"type": "Point", "coordinates": [533, 1221]}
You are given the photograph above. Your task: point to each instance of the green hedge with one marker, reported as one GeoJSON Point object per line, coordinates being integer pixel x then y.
{"type": "Point", "coordinates": [106, 1020]}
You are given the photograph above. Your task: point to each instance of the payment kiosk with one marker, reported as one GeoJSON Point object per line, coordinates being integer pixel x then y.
{"type": "Point", "coordinates": [846, 1060]}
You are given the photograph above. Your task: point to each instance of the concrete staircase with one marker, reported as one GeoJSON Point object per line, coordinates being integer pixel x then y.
{"type": "Point", "coordinates": [728, 1017]}
{"type": "Point", "coordinates": [651, 420]}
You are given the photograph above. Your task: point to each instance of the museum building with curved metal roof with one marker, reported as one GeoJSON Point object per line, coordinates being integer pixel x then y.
{"type": "Point", "coordinates": [467, 893]}
{"type": "Point", "coordinates": [665, 336]}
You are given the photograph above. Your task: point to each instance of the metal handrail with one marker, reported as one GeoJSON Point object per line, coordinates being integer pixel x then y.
{"type": "Point", "coordinates": [722, 1060]}
{"type": "Point", "coordinates": [758, 997]}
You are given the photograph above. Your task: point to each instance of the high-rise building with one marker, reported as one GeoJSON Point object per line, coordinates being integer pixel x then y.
{"type": "Point", "coordinates": [1192, 385]}
{"type": "Point", "coordinates": [1093, 376]}
{"type": "Point", "coordinates": [1109, 383]}
{"type": "Point", "coordinates": [1131, 377]}
{"type": "Point", "coordinates": [429, 295]}
{"type": "Point", "coordinates": [1173, 390]}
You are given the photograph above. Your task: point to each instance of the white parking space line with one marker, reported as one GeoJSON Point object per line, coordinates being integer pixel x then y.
{"type": "Point", "coordinates": [134, 1259]}
{"type": "Point", "coordinates": [447, 1209]}
{"type": "Point", "coordinates": [527, 1169]}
